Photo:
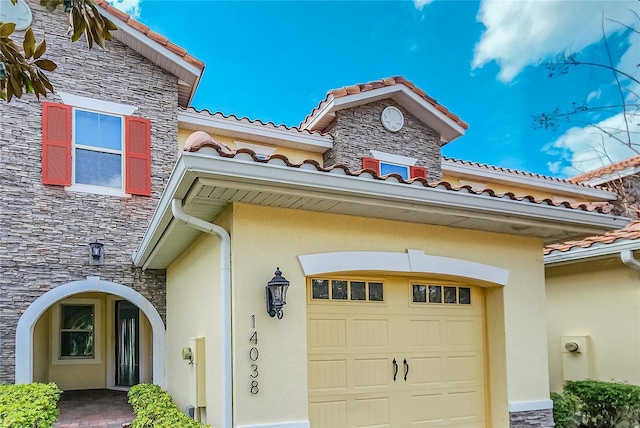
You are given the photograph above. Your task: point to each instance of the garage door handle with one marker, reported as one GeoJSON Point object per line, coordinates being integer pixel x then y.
{"type": "Point", "coordinates": [395, 369]}
{"type": "Point", "coordinates": [406, 369]}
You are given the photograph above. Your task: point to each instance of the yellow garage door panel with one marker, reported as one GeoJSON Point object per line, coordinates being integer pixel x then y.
{"type": "Point", "coordinates": [396, 362]}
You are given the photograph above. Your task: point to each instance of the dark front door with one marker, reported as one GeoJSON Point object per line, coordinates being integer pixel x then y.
{"type": "Point", "coordinates": [127, 344]}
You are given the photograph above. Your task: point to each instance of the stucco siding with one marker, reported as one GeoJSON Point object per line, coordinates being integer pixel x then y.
{"type": "Point", "coordinates": [601, 300]}
{"type": "Point", "coordinates": [266, 238]}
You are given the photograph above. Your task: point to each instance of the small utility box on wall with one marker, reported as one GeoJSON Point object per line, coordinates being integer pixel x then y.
{"type": "Point", "coordinates": [198, 390]}
{"type": "Point", "coordinates": [575, 357]}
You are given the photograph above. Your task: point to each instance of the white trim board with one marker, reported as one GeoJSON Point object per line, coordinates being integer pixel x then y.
{"type": "Point", "coordinates": [294, 424]}
{"type": "Point", "coordinates": [413, 261]}
{"type": "Point", "coordinates": [529, 406]}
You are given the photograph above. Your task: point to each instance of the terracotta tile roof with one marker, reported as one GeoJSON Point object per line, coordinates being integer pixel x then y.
{"type": "Point", "coordinates": [511, 171]}
{"type": "Point", "coordinates": [200, 139]}
{"type": "Point", "coordinates": [607, 169]}
{"type": "Point", "coordinates": [390, 81]}
{"type": "Point", "coordinates": [256, 122]}
{"type": "Point", "coordinates": [630, 232]}
{"type": "Point", "coordinates": [158, 38]}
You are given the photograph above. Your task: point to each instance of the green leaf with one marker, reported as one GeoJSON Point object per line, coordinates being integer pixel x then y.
{"type": "Point", "coordinates": [46, 64]}
{"type": "Point", "coordinates": [29, 43]}
{"type": "Point", "coordinates": [7, 29]}
{"type": "Point", "coordinates": [42, 46]}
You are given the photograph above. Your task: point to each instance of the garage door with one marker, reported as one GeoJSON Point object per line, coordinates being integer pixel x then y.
{"type": "Point", "coordinates": [395, 352]}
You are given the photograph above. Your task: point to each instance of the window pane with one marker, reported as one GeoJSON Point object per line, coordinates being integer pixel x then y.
{"type": "Point", "coordinates": [98, 130]}
{"type": "Point", "coordinates": [419, 293]}
{"type": "Point", "coordinates": [98, 169]}
{"type": "Point", "coordinates": [449, 294]}
{"type": "Point", "coordinates": [389, 168]}
{"type": "Point", "coordinates": [76, 344]}
{"type": "Point", "coordinates": [465, 295]}
{"type": "Point", "coordinates": [320, 289]}
{"type": "Point", "coordinates": [358, 291]}
{"type": "Point", "coordinates": [339, 289]}
{"type": "Point", "coordinates": [76, 317]}
{"type": "Point", "coordinates": [375, 292]}
{"type": "Point", "coordinates": [435, 294]}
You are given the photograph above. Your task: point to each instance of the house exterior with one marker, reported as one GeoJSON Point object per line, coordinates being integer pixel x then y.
{"type": "Point", "coordinates": [416, 291]}
{"type": "Point", "coordinates": [592, 292]}
{"type": "Point", "coordinates": [87, 164]}
{"type": "Point", "coordinates": [416, 284]}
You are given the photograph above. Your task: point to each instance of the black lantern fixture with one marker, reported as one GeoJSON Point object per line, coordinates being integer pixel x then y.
{"type": "Point", "coordinates": [277, 294]}
{"type": "Point", "coordinates": [96, 253]}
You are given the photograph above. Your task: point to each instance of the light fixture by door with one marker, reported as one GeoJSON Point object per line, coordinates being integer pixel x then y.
{"type": "Point", "coordinates": [96, 253]}
{"type": "Point", "coordinates": [276, 293]}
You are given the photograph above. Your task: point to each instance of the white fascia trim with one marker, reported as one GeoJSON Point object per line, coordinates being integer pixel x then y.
{"type": "Point", "coordinates": [356, 99]}
{"type": "Point", "coordinates": [616, 175]}
{"type": "Point", "coordinates": [315, 143]}
{"type": "Point", "coordinates": [530, 406]}
{"type": "Point", "coordinates": [397, 159]}
{"type": "Point", "coordinates": [326, 109]}
{"type": "Point", "coordinates": [155, 46]}
{"type": "Point", "coordinates": [295, 424]}
{"type": "Point", "coordinates": [96, 105]}
{"type": "Point", "coordinates": [363, 189]}
{"type": "Point", "coordinates": [413, 261]}
{"type": "Point", "coordinates": [453, 168]}
{"type": "Point", "coordinates": [579, 254]}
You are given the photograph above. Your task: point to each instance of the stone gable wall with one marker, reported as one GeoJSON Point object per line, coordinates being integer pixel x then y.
{"type": "Point", "coordinates": [45, 230]}
{"type": "Point", "coordinates": [358, 130]}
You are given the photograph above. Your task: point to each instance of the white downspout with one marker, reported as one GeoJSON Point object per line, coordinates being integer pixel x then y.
{"type": "Point", "coordinates": [627, 258]}
{"type": "Point", "coordinates": [225, 301]}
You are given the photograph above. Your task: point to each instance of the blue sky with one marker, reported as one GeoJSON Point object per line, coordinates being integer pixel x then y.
{"type": "Point", "coordinates": [275, 61]}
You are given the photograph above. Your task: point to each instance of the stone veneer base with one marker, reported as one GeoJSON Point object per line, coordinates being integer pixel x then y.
{"type": "Point", "coordinates": [532, 418]}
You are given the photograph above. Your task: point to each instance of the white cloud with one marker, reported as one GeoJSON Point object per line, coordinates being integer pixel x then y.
{"type": "Point", "coordinates": [132, 7]}
{"type": "Point", "coordinates": [587, 148]}
{"type": "Point", "coordinates": [419, 4]}
{"type": "Point", "coordinates": [594, 95]}
{"type": "Point", "coordinates": [554, 167]}
{"type": "Point", "coordinates": [522, 32]}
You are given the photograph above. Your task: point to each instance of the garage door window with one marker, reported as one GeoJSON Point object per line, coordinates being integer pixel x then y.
{"type": "Point", "coordinates": [439, 294]}
{"type": "Point", "coordinates": [344, 290]}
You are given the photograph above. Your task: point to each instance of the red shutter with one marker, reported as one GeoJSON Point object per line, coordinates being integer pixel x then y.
{"type": "Point", "coordinates": [418, 172]}
{"type": "Point", "coordinates": [56, 144]}
{"type": "Point", "coordinates": [138, 155]}
{"type": "Point", "coordinates": [372, 164]}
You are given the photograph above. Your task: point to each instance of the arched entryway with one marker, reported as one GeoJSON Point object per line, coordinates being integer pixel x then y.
{"type": "Point", "coordinates": [93, 284]}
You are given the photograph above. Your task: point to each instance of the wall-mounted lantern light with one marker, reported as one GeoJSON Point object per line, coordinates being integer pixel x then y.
{"type": "Point", "coordinates": [277, 294]}
{"type": "Point", "coordinates": [96, 254]}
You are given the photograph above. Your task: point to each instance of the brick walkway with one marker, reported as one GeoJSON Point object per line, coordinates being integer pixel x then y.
{"type": "Point", "coordinates": [95, 408]}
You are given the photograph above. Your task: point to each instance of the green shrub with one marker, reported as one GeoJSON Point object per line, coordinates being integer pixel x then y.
{"type": "Point", "coordinates": [606, 404]}
{"type": "Point", "coordinates": [155, 409]}
{"type": "Point", "coordinates": [566, 410]}
{"type": "Point", "coordinates": [30, 405]}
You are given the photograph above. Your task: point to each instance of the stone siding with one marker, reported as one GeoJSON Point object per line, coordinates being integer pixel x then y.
{"type": "Point", "coordinates": [45, 230]}
{"type": "Point", "coordinates": [628, 190]}
{"type": "Point", "coordinates": [358, 130]}
{"type": "Point", "coordinates": [534, 418]}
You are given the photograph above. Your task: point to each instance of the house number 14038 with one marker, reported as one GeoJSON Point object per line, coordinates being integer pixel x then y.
{"type": "Point", "coordinates": [254, 354]}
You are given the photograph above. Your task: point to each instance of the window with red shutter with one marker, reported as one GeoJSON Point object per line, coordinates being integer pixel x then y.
{"type": "Point", "coordinates": [98, 152]}
{"type": "Point", "coordinates": [418, 172]}
{"type": "Point", "coordinates": [372, 164]}
{"type": "Point", "coordinates": [56, 144]}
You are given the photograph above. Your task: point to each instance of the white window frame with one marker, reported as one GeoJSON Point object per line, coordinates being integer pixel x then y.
{"type": "Point", "coordinates": [396, 160]}
{"type": "Point", "coordinates": [108, 108]}
{"type": "Point", "coordinates": [56, 330]}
